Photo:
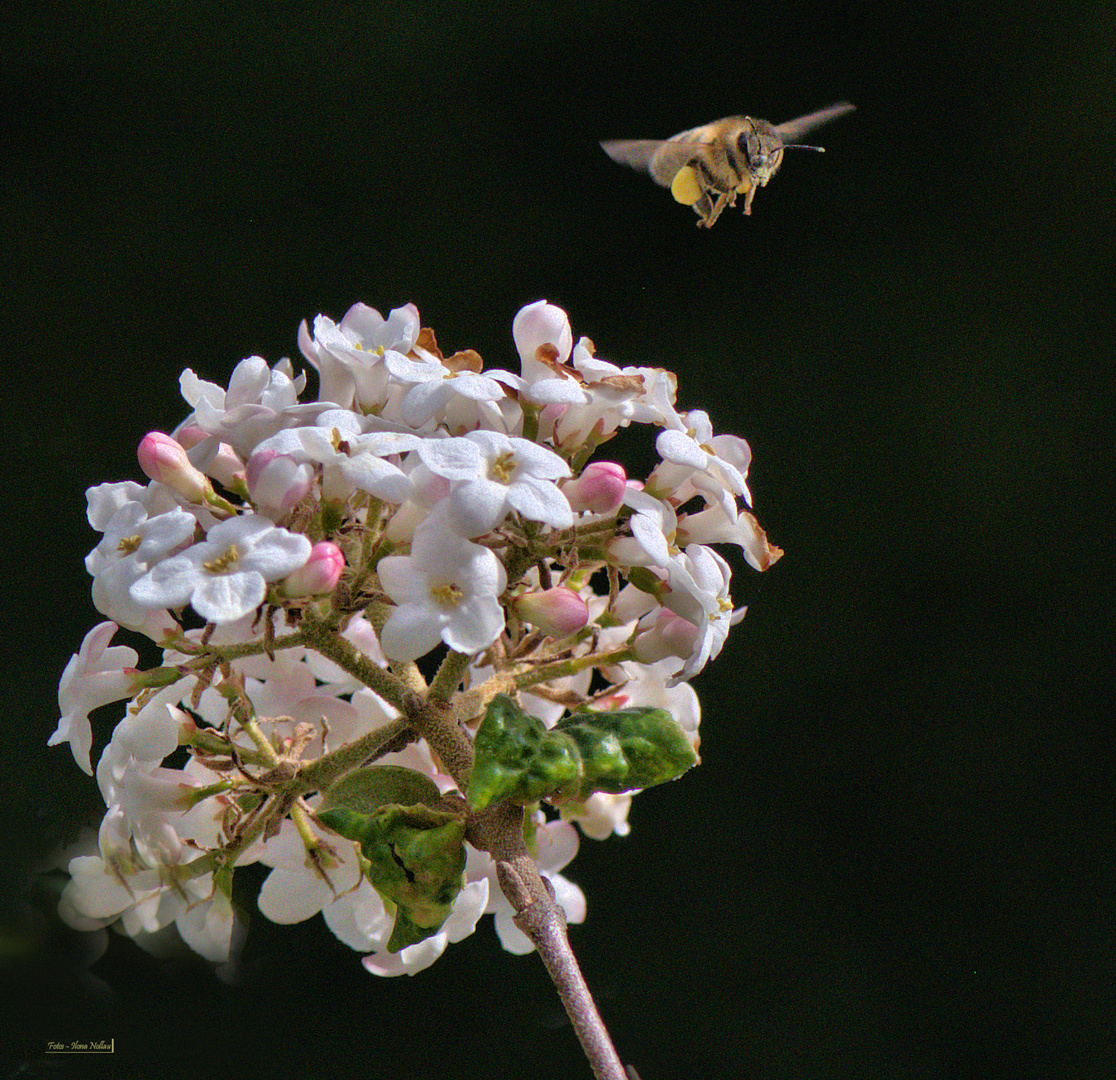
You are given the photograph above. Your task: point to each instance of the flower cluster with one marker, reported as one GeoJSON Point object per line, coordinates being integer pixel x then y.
{"type": "Point", "coordinates": [426, 533]}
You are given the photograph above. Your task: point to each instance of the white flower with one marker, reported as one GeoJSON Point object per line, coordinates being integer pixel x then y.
{"type": "Point", "coordinates": [131, 544]}
{"type": "Point", "coordinates": [688, 446]}
{"type": "Point", "coordinates": [146, 802]}
{"type": "Point", "coordinates": [447, 590]}
{"type": "Point", "coordinates": [277, 482]}
{"type": "Point", "coordinates": [349, 356]}
{"type": "Point", "coordinates": [359, 919]}
{"type": "Point", "coordinates": [145, 900]}
{"type": "Point", "coordinates": [95, 676]}
{"type": "Point", "coordinates": [358, 458]}
{"type": "Point", "coordinates": [601, 815]}
{"type": "Point", "coordinates": [699, 583]}
{"type": "Point", "coordinates": [467, 909]}
{"type": "Point", "coordinates": [653, 525]}
{"type": "Point", "coordinates": [150, 732]}
{"type": "Point", "coordinates": [96, 891]}
{"type": "Point", "coordinates": [718, 524]}
{"type": "Point", "coordinates": [543, 338]}
{"type": "Point", "coordinates": [433, 386]}
{"type": "Point", "coordinates": [297, 888]}
{"type": "Point", "coordinates": [541, 326]}
{"type": "Point", "coordinates": [103, 501]}
{"type": "Point", "coordinates": [492, 474]}
{"type": "Point", "coordinates": [259, 402]}
{"type": "Point", "coordinates": [226, 575]}
{"type": "Point", "coordinates": [613, 397]}
{"type": "Point", "coordinates": [211, 928]}
{"type": "Point", "coordinates": [352, 459]}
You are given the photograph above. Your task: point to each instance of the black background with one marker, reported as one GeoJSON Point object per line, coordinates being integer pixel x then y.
{"type": "Point", "coordinates": [895, 860]}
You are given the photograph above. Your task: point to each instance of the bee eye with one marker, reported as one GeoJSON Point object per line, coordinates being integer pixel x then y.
{"type": "Point", "coordinates": [751, 148]}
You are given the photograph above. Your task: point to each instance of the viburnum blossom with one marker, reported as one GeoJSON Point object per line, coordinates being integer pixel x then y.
{"type": "Point", "coordinates": [224, 576]}
{"type": "Point", "coordinates": [95, 676]}
{"type": "Point", "coordinates": [447, 590]}
{"type": "Point", "coordinates": [416, 639]}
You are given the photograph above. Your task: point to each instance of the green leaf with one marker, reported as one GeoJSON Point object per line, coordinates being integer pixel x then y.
{"type": "Point", "coordinates": [625, 749]}
{"type": "Point", "coordinates": [366, 790]}
{"type": "Point", "coordinates": [518, 759]}
{"type": "Point", "coordinates": [415, 850]}
{"type": "Point", "coordinates": [515, 758]}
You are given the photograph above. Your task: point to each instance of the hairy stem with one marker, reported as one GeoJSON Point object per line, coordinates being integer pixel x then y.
{"type": "Point", "coordinates": [320, 774]}
{"type": "Point", "coordinates": [450, 674]}
{"type": "Point", "coordinates": [322, 637]}
{"type": "Point", "coordinates": [538, 915]}
{"type": "Point", "coordinates": [561, 668]}
{"type": "Point", "coordinates": [437, 723]}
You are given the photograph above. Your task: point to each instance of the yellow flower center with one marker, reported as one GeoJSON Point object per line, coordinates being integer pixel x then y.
{"type": "Point", "coordinates": [128, 544]}
{"type": "Point", "coordinates": [223, 563]}
{"type": "Point", "coordinates": [503, 468]}
{"type": "Point", "coordinates": [447, 595]}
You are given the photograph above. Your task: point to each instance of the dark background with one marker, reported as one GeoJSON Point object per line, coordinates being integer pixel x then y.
{"type": "Point", "coordinates": [895, 860]}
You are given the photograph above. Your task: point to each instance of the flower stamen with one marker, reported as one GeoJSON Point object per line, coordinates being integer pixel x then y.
{"type": "Point", "coordinates": [223, 563]}
{"type": "Point", "coordinates": [448, 596]}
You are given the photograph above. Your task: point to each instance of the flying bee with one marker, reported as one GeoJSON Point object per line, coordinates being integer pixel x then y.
{"type": "Point", "coordinates": [707, 167]}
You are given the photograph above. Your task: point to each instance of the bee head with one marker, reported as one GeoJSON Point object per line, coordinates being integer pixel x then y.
{"type": "Point", "coordinates": [761, 146]}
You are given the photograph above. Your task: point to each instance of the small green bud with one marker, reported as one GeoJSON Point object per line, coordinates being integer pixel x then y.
{"type": "Point", "coordinates": [516, 759]}
{"type": "Point", "coordinates": [625, 749]}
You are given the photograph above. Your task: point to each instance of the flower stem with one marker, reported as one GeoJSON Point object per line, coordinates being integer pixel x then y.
{"type": "Point", "coordinates": [538, 915]}
{"type": "Point", "coordinates": [449, 676]}
{"type": "Point", "coordinates": [320, 774]}
{"type": "Point", "coordinates": [319, 635]}
{"type": "Point", "coordinates": [561, 668]}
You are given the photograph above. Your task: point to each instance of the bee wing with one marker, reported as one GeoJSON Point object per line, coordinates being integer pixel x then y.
{"type": "Point", "coordinates": [793, 130]}
{"type": "Point", "coordinates": [662, 158]}
{"type": "Point", "coordinates": [634, 152]}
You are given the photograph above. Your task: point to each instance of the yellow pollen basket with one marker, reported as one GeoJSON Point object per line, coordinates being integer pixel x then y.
{"type": "Point", "coordinates": [685, 187]}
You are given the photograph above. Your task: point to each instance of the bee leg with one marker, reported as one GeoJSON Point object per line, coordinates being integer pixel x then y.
{"type": "Point", "coordinates": [703, 208]}
{"type": "Point", "coordinates": [715, 212]}
{"type": "Point", "coordinates": [748, 200]}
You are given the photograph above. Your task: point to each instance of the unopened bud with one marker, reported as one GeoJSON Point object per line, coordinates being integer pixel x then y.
{"type": "Point", "coordinates": [671, 635]}
{"type": "Point", "coordinates": [164, 460]}
{"type": "Point", "coordinates": [225, 466]}
{"type": "Point", "coordinates": [538, 325]}
{"type": "Point", "coordinates": [320, 575]}
{"type": "Point", "coordinates": [557, 612]}
{"type": "Point", "coordinates": [277, 482]}
{"type": "Point", "coordinates": [599, 489]}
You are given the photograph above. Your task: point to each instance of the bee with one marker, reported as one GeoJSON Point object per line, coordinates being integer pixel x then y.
{"type": "Point", "coordinates": [707, 167]}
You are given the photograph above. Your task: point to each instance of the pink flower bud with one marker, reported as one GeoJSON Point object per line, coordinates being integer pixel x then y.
{"type": "Point", "coordinates": [671, 635]}
{"type": "Point", "coordinates": [164, 460]}
{"type": "Point", "coordinates": [599, 489]}
{"type": "Point", "coordinates": [557, 611]}
{"type": "Point", "coordinates": [277, 482]}
{"type": "Point", "coordinates": [320, 574]}
{"type": "Point", "coordinates": [225, 467]}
